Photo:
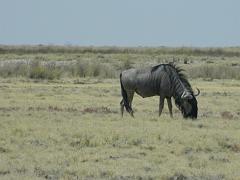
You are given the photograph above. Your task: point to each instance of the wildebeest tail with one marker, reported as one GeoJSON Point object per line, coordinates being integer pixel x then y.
{"type": "Point", "coordinates": [125, 97]}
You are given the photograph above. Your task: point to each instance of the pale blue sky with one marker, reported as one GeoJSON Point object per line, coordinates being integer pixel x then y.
{"type": "Point", "coordinates": [121, 22]}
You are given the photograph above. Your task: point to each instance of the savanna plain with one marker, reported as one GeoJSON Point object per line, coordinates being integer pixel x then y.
{"type": "Point", "coordinates": [60, 115]}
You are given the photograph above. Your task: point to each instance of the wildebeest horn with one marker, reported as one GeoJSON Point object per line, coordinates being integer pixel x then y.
{"type": "Point", "coordinates": [198, 92]}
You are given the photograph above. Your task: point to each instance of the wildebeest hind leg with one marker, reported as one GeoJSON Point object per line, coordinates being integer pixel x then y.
{"type": "Point", "coordinates": [130, 99]}
{"type": "Point", "coordinates": [170, 106]}
{"type": "Point", "coordinates": [122, 107]}
{"type": "Point", "coordinates": [161, 105]}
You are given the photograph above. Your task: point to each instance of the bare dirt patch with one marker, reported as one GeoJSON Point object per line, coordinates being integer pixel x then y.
{"type": "Point", "coordinates": [104, 110]}
{"type": "Point", "coordinates": [3, 173]}
{"type": "Point", "coordinates": [4, 150]}
{"type": "Point", "coordinates": [227, 115]}
{"type": "Point", "coordinates": [7, 109]}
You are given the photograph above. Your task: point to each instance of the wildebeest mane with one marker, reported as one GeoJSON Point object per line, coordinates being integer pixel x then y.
{"type": "Point", "coordinates": [179, 71]}
{"type": "Point", "coordinates": [182, 76]}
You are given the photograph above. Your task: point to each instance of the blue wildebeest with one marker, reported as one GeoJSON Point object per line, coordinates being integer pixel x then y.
{"type": "Point", "coordinates": [164, 80]}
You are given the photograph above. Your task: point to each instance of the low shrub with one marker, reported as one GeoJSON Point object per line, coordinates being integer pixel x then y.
{"type": "Point", "coordinates": [214, 71]}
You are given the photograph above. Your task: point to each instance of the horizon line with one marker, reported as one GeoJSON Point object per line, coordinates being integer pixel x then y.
{"type": "Point", "coordinates": [118, 46]}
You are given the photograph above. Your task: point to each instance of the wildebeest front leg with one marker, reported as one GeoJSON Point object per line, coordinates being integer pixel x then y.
{"type": "Point", "coordinates": [161, 105]}
{"type": "Point", "coordinates": [170, 106]}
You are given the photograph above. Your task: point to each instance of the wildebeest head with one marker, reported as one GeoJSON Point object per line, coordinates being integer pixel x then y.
{"type": "Point", "coordinates": [187, 103]}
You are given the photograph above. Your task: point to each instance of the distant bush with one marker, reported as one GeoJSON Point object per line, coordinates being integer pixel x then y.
{"type": "Point", "coordinates": [107, 62]}
{"type": "Point", "coordinates": [127, 64]}
{"type": "Point", "coordinates": [91, 69]}
{"type": "Point", "coordinates": [13, 69]}
{"type": "Point", "coordinates": [37, 69]}
{"type": "Point", "coordinates": [33, 70]}
{"type": "Point", "coordinates": [54, 70]}
{"type": "Point", "coordinates": [48, 71]}
{"type": "Point", "coordinates": [214, 71]}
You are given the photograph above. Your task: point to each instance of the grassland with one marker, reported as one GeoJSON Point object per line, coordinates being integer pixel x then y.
{"type": "Point", "coordinates": [63, 130]}
{"type": "Point", "coordinates": [69, 126]}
